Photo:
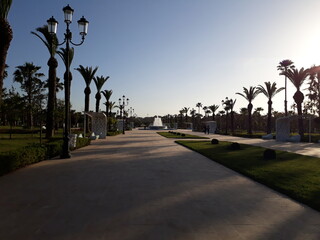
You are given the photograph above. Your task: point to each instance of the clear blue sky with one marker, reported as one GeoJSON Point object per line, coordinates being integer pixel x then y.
{"type": "Point", "coordinates": [169, 54]}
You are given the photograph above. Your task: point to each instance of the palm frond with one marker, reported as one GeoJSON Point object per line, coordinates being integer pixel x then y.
{"type": "Point", "coordinates": [5, 8]}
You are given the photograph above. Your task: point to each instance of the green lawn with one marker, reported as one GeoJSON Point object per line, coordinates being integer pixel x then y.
{"type": "Point", "coordinates": [180, 136]}
{"type": "Point", "coordinates": [21, 138]}
{"type": "Point", "coordinates": [295, 175]}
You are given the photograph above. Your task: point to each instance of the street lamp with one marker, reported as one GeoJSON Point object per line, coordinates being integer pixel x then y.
{"type": "Point", "coordinates": [83, 29]}
{"type": "Point", "coordinates": [122, 104]}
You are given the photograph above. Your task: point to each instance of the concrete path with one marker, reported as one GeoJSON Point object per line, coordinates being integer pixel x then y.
{"type": "Point", "coordinates": [309, 149]}
{"type": "Point", "coordinates": [142, 186]}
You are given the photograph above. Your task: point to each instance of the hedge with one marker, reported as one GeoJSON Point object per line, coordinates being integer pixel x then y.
{"type": "Point", "coordinates": [12, 160]}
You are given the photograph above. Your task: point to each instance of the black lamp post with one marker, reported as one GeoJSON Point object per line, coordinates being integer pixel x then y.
{"type": "Point", "coordinates": [122, 104]}
{"type": "Point", "coordinates": [83, 29]}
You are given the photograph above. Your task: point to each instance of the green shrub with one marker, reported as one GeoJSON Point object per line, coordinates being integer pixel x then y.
{"type": "Point", "coordinates": [269, 154]}
{"type": "Point", "coordinates": [113, 133]}
{"type": "Point", "coordinates": [82, 142]}
{"type": "Point", "coordinates": [13, 160]}
{"type": "Point", "coordinates": [234, 146]}
{"type": "Point", "coordinates": [214, 141]}
{"type": "Point", "coordinates": [54, 148]}
{"type": "Point", "coordinates": [183, 135]}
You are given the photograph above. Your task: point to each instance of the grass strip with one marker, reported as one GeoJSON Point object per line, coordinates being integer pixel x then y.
{"type": "Point", "coordinates": [178, 135]}
{"type": "Point", "coordinates": [295, 175]}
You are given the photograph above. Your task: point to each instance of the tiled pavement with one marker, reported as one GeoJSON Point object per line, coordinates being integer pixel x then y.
{"type": "Point", "coordinates": [142, 186]}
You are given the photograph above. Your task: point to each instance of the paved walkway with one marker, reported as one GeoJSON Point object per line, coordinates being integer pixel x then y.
{"type": "Point", "coordinates": [142, 186]}
{"type": "Point", "coordinates": [309, 149]}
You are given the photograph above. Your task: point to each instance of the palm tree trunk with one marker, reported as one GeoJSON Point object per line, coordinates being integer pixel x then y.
{"type": "Point", "coordinates": [298, 98]}
{"type": "Point", "coordinates": [250, 106]}
{"type": "Point", "coordinates": [5, 39]}
{"type": "Point", "coordinates": [52, 82]}
{"type": "Point", "coordinates": [98, 97]}
{"type": "Point", "coordinates": [269, 117]}
{"type": "Point", "coordinates": [87, 92]}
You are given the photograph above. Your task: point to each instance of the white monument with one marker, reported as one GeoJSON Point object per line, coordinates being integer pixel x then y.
{"type": "Point", "coordinates": [212, 126]}
{"type": "Point", "coordinates": [283, 128]}
{"type": "Point", "coordinates": [99, 123]}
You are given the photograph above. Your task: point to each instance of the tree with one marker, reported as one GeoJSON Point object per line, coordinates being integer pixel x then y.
{"type": "Point", "coordinates": [186, 110]}
{"type": "Point", "coordinates": [51, 42]}
{"type": "Point", "coordinates": [249, 94]}
{"type": "Point", "coordinates": [228, 106]}
{"type": "Point", "coordinates": [243, 112]}
{"type": "Point", "coordinates": [99, 81]}
{"type": "Point", "coordinates": [5, 39]}
{"type": "Point", "coordinates": [29, 78]}
{"type": "Point", "coordinates": [213, 108]}
{"type": "Point", "coordinates": [67, 57]}
{"type": "Point", "coordinates": [88, 74]}
{"type": "Point", "coordinates": [13, 105]}
{"type": "Point", "coordinates": [269, 90]}
{"type": "Point", "coordinates": [283, 67]}
{"type": "Point", "coordinates": [107, 94]}
{"type": "Point", "coordinates": [199, 105]}
{"type": "Point", "coordinates": [314, 90]}
{"type": "Point", "coordinates": [297, 78]}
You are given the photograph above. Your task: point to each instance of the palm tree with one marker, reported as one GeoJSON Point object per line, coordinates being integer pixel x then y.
{"type": "Point", "coordinates": [88, 74]}
{"type": "Point", "coordinates": [29, 78]}
{"type": "Point", "coordinates": [269, 90]}
{"type": "Point", "coordinates": [192, 113]}
{"type": "Point", "coordinates": [99, 81]}
{"type": "Point", "coordinates": [231, 105]}
{"type": "Point", "coordinates": [111, 106]}
{"type": "Point", "coordinates": [199, 105]}
{"type": "Point", "coordinates": [283, 67]}
{"type": "Point", "coordinates": [213, 109]}
{"type": "Point", "coordinates": [107, 94]}
{"type": "Point", "coordinates": [297, 78]}
{"type": "Point", "coordinates": [50, 41]}
{"type": "Point", "coordinates": [5, 39]}
{"type": "Point", "coordinates": [227, 109]}
{"type": "Point", "coordinates": [249, 94]}
{"type": "Point", "coordinates": [186, 110]}
{"type": "Point", "coordinates": [63, 55]}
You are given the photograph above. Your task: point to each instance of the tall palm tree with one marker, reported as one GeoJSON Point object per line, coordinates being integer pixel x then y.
{"type": "Point", "coordinates": [231, 105]}
{"type": "Point", "coordinates": [213, 109]}
{"type": "Point", "coordinates": [5, 38]}
{"type": "Point", "coordinates": [29, 78]}
{"type": "Point", "coordinates": [269, 90]}
{"type": "Point", "coordinates": [192, 113]}
{"type": "Point", "coordinates": [186, 110]}
{"type": "Point", "coordinates": [99, 81]}
{"type": "Point", "coordinates": [51, 42]}
{"type": "Point", "coordinates": [226, 108]}
{"type": "Point", "coordinates": [88, 74]}
{"type": "Point", "coordinates": [249, 94]}
{"type": "Point", "coordinates": [107, 94]}
{"type": "Point", "coordinates": [199, 105]}
{"type": "Point", "coordinates": [297, 78]}
{"type": "Point", "coordinates": [283, 67]}
{"type": "Point", "coordinates": [111, 106]}
{"type": "Point", "coordinates": [63, 55]}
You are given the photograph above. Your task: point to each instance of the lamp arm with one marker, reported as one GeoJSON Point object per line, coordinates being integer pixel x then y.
{"type": "Point", "coordinates": [64, 41]}
{"type": "Point", "coordinates": [77, 44]}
